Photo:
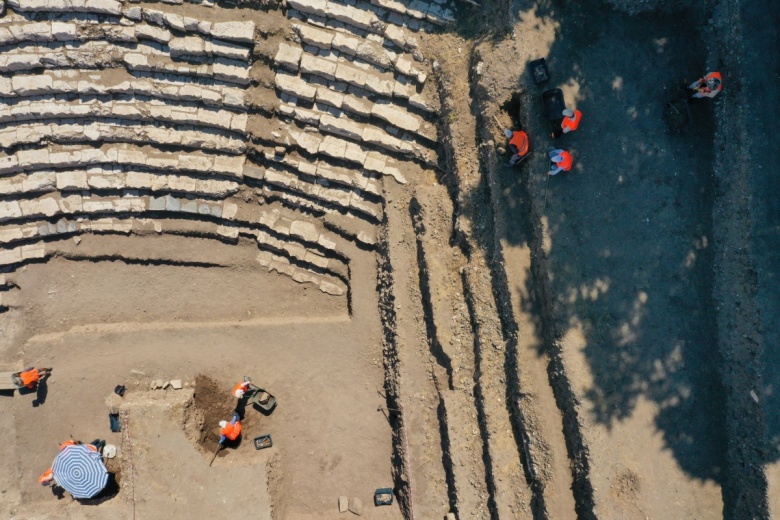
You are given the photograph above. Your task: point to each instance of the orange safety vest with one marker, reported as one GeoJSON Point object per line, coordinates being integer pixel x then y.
{"type": "Point", "coordinates": [232, 431]}
{"type": "Point", "coordinates": [241, 386]}
{"type": "Point", "coordinates": [566, 161]}
{"type": "Point", "coordinates": [30, 377]}
{"type": "Point", "coordinates": [46, 478]}
{"type": "Point", "coordinates": [572, 122]}
{"type": "Point", "coordinates": [703, 83]}
{"type": "Point", "coordinates": [520, 141]}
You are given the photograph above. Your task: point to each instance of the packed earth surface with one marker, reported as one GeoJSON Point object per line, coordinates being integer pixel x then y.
{"type": "Point", "coordinates": [315, 194]}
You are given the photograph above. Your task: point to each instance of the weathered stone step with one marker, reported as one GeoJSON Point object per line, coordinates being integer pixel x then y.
{"type": "Point", "coordinates": [105, 82]}
{"type": "Point", "coordinates": [114, 178]}
{"type": "Point", "coordinates": [242, 32]}
{"type": "Point", "coordinates": [313, 188]}
{"type": "Point", "coordinates": [367, 50]}
{"type": "Point", "coordinates": [81, 31]}
{"type": "Point", "coordinates": [146, 57]}
{"type": "Point", "coordinates": [135, 109]}
{"type": "Point", "coordinates": [119, 130]}
{"type": "Point", "coordinates": [323, 172]}
{"type": "Point", "coordinates": [308, 140]}
{"type": "Point", "coordinates": [361, 137]}
{"type": "Point", "coordinates": [70, 156]}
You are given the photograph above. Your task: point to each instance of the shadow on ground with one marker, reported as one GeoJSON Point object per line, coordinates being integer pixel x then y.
{"type": "Point", "coordinates": [630, 226]}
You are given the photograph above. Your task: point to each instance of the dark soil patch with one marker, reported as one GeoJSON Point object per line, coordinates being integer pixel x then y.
{"type": "Point", "coordinates": [211, 403]}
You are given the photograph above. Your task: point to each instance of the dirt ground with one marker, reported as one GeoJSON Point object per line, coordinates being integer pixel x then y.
{"type": "Point", "coordinates": [515, 345]}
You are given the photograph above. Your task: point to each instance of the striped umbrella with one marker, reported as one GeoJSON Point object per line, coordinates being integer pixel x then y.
{"type": "Point", "coordinates": [80, 471]}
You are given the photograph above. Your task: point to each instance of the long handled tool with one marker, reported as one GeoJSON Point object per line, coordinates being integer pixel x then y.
{"type": "Point", "coordinates": [219, 448]}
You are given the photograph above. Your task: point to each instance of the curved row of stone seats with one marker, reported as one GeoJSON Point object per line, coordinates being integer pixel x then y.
{"type": "Point", "coordinates": [81, 31]}
{"type": "Point", "coordinates": [364, 49]}
{"type": "Point", "coordinates": [323, 172]}
{"type": "Point", "coordinates": [135, 109]}
{"type": "Point", "coordinates": [119, 130]}
{"type": "Point", "coordinates": [103, 82]}
{"type": "Point", "coordinates": [114, 178]}
{"type": "Point", "coordinates": [79, 156]}
{"type": "Point", "coordinates": [322, 195]}
{"type": "Point", "coordinates": [236, 31]}
{"type": "Point", "coordinates": [387, 18]}
{"type": "Point", "coordinates": [282, 265]}
{"type": "Point", "coordinates": [99, 55]}
{"type": "Point", "coordinates": [330, 106]}
{"type": "Point", "coordinates": [367, 136]}
{"type": "Point", "coordinates": [339, 69]}
{"type": "Point", "coordinates": [343, 150]}
{"type": "Point", "coordinates": [50, 205]}
{"type": "Point", "coordinates": [309, 255]}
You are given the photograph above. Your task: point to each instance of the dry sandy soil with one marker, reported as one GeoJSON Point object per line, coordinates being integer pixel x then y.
{"type": "Point", "coordinates": [490, 342]}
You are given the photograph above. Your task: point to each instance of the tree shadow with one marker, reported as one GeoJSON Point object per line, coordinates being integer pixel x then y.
{"type": "Point", "coordinates": [629, 228]}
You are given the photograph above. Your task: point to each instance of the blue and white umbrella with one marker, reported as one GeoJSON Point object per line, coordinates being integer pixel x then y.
{"type": "Point", "coordinates": [80, 471]}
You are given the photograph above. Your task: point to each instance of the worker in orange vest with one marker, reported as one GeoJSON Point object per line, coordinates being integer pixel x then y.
{"type": "Point", "coordinates": [30, 377]}
{"type": "Point", "coordinates": [240, 389]}
{"type": "Point", "coordinates": [47, 479]}
{"type": "Point", "coordinates": [571, 120]}
{"type": "Point", "coordinates": [517, 143]}
{"type": "Point", "coordinates": [562, 160]}
{"type": "Point", "coordinates": [230, 430]}
{"type": "Point", "coordinates": [708, 86]}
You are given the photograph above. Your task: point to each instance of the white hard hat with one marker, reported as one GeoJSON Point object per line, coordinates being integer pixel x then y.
{"type": "Point", "coordinates": [568, 112]}
{"type": "Point", "coordinates": [222, 424]}
{"type": "Point", "coordinates": [240, 392]}
{"type": "Point", "coordinates": [508, 133]}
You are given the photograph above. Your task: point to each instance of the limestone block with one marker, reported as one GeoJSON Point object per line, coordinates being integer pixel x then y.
{"type": "Point", "coordinates": [229, 210]}
{"type": "Point", "coordinates": [235, 31]}
{"type": "Point", "coordinates": [227, 49]}
{"type": "Point", "coordinates": [139, 180]}
{"type": "Point", "coordinates": [340, 12]}
{"type": "Point", "coordinates": [150, 32]}
{"type": "Point", "coordinates": [397, 35]}
{"type": "Point", "coordinates": [295, 86]}
{"type": "Point", "coordinates": [307, 140]}
{"type": "Point", "coordinates": [9, 257]}
{"type": "Point", "coordinates": [31, 85]}
{"type": "Point", "coordinates": [364, 19]}
{"type": "Point", "coordinates": [157, 203]}
{"type": "Point", "coordinates": [189, 45]}
{"type": "Point", "coordinates": [346, 43]}
{"type": "Point", "coordinates": [355, 152]}
{"type": "Point", "coordinates": [254, 172]}
{"type": "Point", "coordinates": [350, 74]}
{"type": "Point", "coordinates": [200, 163]}
{"type": "Point", "coordinates": [72, 180]}
{"type": "Point", "coordinates": [133, 13]}
{"type": "Point", "coordinates": [38, 207]}
{"type": "Point", "coordinates": [304, 230]}
{"type": "Point", "coordinates": [390, 5]}
{"type": "Point", "coordinates": [113, 7]}
{"type": "Point", "coordinates": [315, 7]}
{"type": "Point", "coordinates": [28, 158]}
{"type": "Point", "coordinates": [439, 15]}
{"type": "Point", "coordinates": [383, 84]}
{"type": "Point", "coordinates": [233, 165]}
{"type": "Point", "coordinates": [9, 209]}
{"type": "Point", "coordinates": [72, 203]}
{"type": "Point", "coordinates": [310, 117]}
{"type": "Point", "coordinates": [396, 116]}
{"type": "Point", "coordinates": [330, 97]}
{"type": "Point", "coordinates": [419, 101]}
{"type": "Point", "coordinates": [321, 38]}
{"type": "Point", "coordinates": [332, 289]}
{"type": "Point", "coordinates": [341, 126]}
{"type": "Point", "coordinates": [230, 70]}
{"type": "Point", "coordinates": [404, 88]}
{"type": "Point", "coordinates": [333, 147]}
{"type": "Point", "coordinates": [288, 56]}
{"type": "Point", "coordinates": [358, 105]}
{"type": "Point", "coordinates": [97, 206]}
{"type": "Point", "coordinates": [319, 66]}
{"type": "Point", "coordinates": [374, 53]}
